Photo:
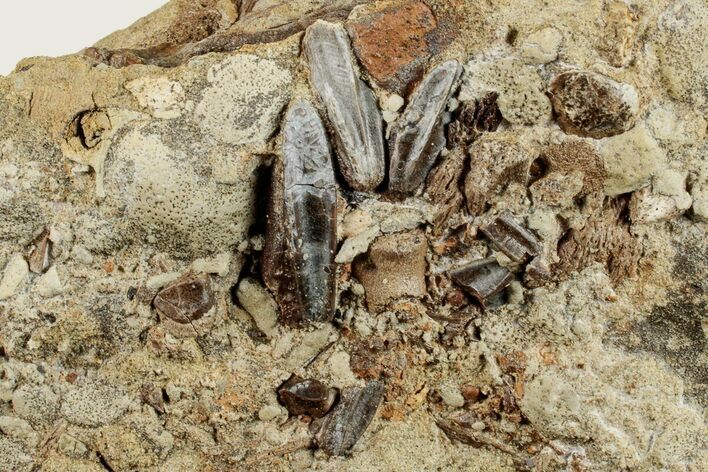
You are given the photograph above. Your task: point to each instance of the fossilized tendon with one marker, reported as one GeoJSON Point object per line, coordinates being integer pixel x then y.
{"type": "Point", "coordinates": [350, 103]}
{"type": "Point", "coordinates": [418, 135]}
{"type": "Point", "coordinates": [306, 285]}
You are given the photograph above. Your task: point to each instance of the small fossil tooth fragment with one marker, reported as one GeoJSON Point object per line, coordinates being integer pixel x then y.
{"type": "Point", "coordinates": [39, 257]}
{"type": "Point", "coordinates": [186, 299]}
{"type": "Point", "coordinates": [302, 235]}
{"type": "Point", "coordinates": [342, 428]}
{"type": "Point", "coordinates": [418, 135]}
{"type": "Point", "coordinates": [350, 103]}
{"type": "Point", "coordinates": [306, 396]}
{"type": "Point", "coordinates": [483, 278]}
{"type": "Point", "coordinates": [512, 239]}
{"type": "Point", "coordinates": [593, 105]}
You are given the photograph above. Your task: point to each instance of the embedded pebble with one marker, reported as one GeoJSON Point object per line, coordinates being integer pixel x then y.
{"type": "Point", "coordinates": [451, 396]}
{"type": "Point", "coordinates": [81, 254]}
{"type": "Point", "coordinates": [260, 304]}
{"type": "Point", "coordinates": [541, 47]}
{"type": "Point", "coordinates": [49, 284]}
{"type": "Point", "coordinates": [16, 271]}
{"type": "Point", "coordinates": [393, 103]}
{"type": "Point", "coordinates": [269, 412]}
{"type": "Point", "coordinates": [218, 264]}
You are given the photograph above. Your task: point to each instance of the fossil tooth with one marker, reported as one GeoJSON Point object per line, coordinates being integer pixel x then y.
{"type": "Point", "coordinates": [342, 428]}
{"type": "Point", "coordinates": [483, 278]}
{"type": "Point", "coordinates": [418, 135]}
{"type": "Point", "coordinates": [306, 397]}
{"type": "Point", "coordinates": [39, 259]}
{"type": "Point", "coordinates": [512, 239]}
{"type": "Point", "coordinates": [350, 103]}
{"type": "Point", "coordinates": [185, 300]}
{"type": "Point", "coordinates": [299, 260]}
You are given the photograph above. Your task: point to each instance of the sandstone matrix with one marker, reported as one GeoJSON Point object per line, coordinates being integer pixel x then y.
{"type": "Point", "coordinates": [137, 330]}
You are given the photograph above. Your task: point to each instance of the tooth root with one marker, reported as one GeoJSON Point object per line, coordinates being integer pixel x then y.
{"type": "Point", "coordinates": [299, 260]}
{"type": "Point", "coordinates": [418, 136]}
{"type": "Point", "coordinates": [350, 103]}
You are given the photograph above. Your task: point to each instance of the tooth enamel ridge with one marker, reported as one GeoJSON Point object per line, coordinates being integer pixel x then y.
{"type": "Point", "coordinates": [351, 105]}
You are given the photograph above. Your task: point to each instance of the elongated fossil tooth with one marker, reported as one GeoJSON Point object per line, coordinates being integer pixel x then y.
{"type": "Point", "coordinates": [299, 261]}
{"type": "Point", "coordinates": [342, 428]}
{"type": "Point", "coordinates": [350, 103]}
{"type": "Point", "coordinates": [418, 135]}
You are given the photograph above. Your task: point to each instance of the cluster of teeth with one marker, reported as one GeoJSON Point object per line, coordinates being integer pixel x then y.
{"type": "Point", "coordinates": [299, 260]}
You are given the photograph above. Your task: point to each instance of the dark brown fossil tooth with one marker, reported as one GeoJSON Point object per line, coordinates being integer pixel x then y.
{"type": "Point", "coordinates": [512, 239]}
{"type": "Point", "coordinates": [483, 278]}
{"type": "Point", "coordinates": [39, 257]}
{"type": "Point", "coordinates": [342, 428]}
{"type": "Point", "coordinates": [306, 397]}
{"type": "Point", "coordinates": [185, 300]}
{"type": "Point", "coordinates": [418, 135]}
{"type": "Point", "coordinates": [299, 258]}
{"type": "Point", "coordinates": [350, 103]}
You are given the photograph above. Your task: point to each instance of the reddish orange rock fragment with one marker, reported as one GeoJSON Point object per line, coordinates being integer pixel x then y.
{"type": "Point", "coordinates": [395, 42]}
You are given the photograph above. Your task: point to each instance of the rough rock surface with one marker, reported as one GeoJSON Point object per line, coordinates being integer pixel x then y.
{"type": "Point", "coordinates": [134, 183]}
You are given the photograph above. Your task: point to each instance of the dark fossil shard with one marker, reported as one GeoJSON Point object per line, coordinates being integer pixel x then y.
{"type": "Point", "coordinates": [306, 397]}
{"type": "Point", "coordinates": [301, 242]}
{"type": "Point", "coordinates": [418, 136]}
{"type": "Point", "coordinates": [341, 429]}
{"type": "Point", "coordinates": [512, 239]}
{"type": "Point", "coordinates": [185, 300]}
{"type": "Point", "coordinates": [39, 259]}
{"type": "Point", "coordinates": [350, 103]}
{"type": "Point", "coordinates": [483, 278]}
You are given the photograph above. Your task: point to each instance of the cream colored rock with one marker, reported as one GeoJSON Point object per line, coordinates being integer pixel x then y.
{"type": "Point", "coordinates": [16, 271]}
{"type": "Point", "coordinates": [19, 429]}
{"type": "Point", "coordinates": [167, 197]}
{"type": "Point", "coordinates": [218, 264]}
{"type": "Point", "coordinates": [310, 346]}
{"type": "Point", "coordinates": [631, 159]}
{"type": "Point", "coordinates": [541, 47]}
{"type": "Point", "coordinates": [521, 99]}
{"type": "Point", "coordinates": [162, 97]}
{"type": "Point", "coordinates": [244, 99]}
{"type": "Point", "coordinates": [680, 47]}
{"type": "Point", "coordinates": [49, 284]}
{"type": "Point", "coordinates": [259, 303]}
{"type": "Point", "coordinates": [357, 244]}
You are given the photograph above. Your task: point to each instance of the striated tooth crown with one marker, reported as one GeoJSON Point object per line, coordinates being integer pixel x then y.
{"type": "Point", "coordinates": [418, 135]}
{"type": "Point", "coordinates": [302, 235]}
{"type": "Point", "coordinates": [350, 103]}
